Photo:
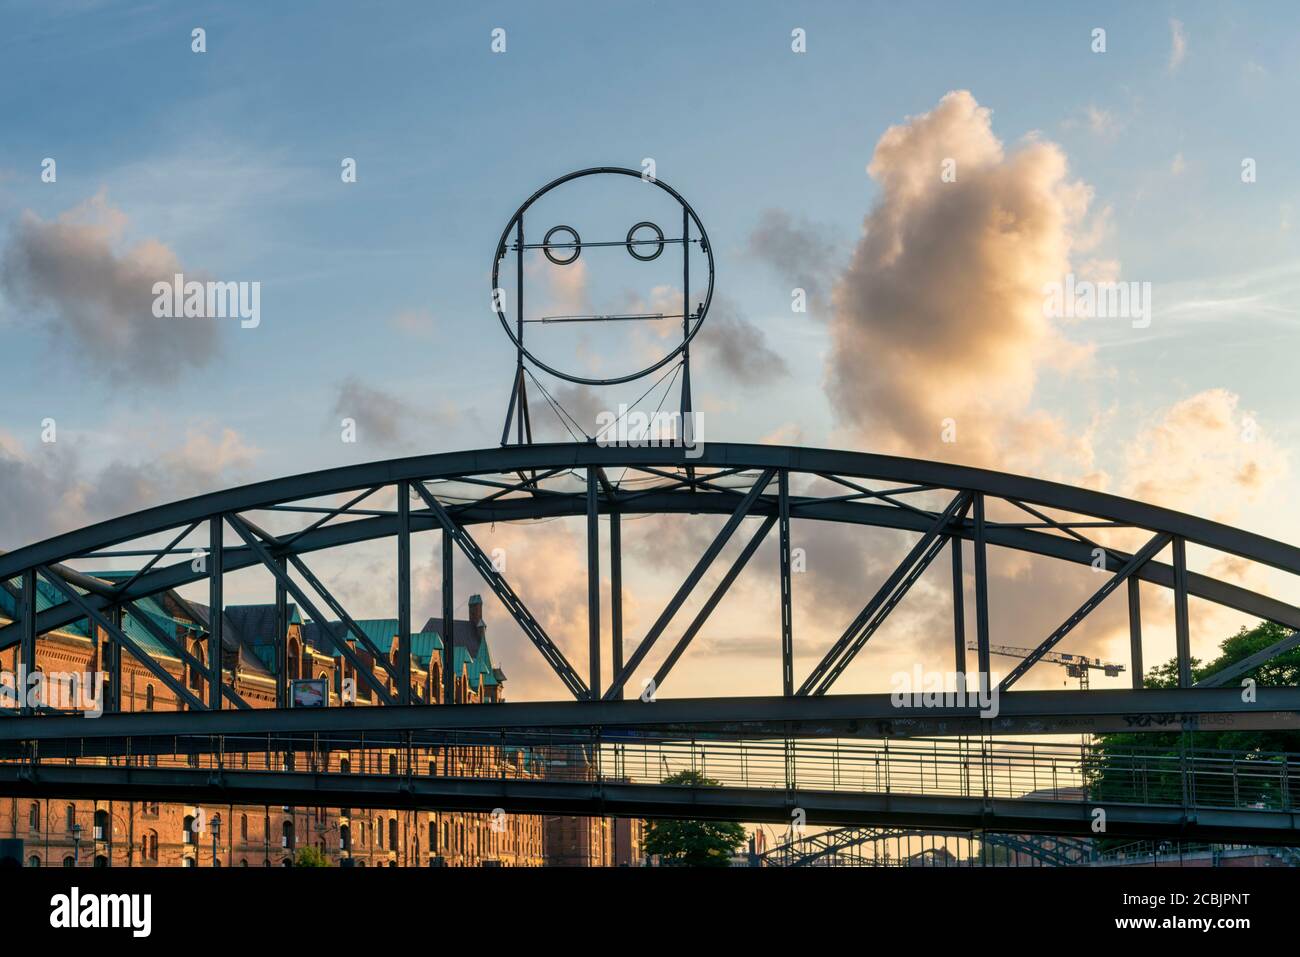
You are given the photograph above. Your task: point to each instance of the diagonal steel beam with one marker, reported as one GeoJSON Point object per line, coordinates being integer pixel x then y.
{"type": "Point", "coordinates": [937, 524]}
{"type": "Point", "coordinates": [501, 588]}
{"type": "Point", "coordinates": [240, 525]}
{"type": "Point", "coordinates": [175, 648]}
{"type": "Point", "coordinates": [118, 635]}
{"type": "Point", "coordinates": [315, 583]}
{"type": "Point", "coordinates": [1220, 678]}
{"type": "Point", "coordinates": [702, 566]}
{"type": "Point", "coordinates": [723, 587]}
{"type": "Point", "coordinates": [1136, 560]}
{"type": "Point", "coordinates": [913, 575]}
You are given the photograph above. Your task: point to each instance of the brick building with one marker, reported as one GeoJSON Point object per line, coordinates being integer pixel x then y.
{"type": "Point", "coordinates": [149, 834]}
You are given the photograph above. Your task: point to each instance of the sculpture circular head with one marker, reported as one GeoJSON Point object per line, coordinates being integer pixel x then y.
{"type": "Point", "coordinates": [672, 223]}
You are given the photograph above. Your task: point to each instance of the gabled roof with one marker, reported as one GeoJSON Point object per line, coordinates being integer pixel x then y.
{"type": "Point", "coordinates": [472, 655]}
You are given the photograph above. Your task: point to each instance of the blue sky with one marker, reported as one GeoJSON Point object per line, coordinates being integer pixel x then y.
{"type": "Point", "coordinates": [231, 159]}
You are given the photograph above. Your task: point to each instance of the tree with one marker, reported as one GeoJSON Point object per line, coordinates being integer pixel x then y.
{"type": "Point", "coordinates": [309, 856]}
{"type": "Point", "coordinates": [693, 843]}
{"type": "Point", "coordinates": [1145, 766]}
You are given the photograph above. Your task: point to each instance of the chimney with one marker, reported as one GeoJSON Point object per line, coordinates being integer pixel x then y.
{"type": "Point", "coordinates": [476, 610]}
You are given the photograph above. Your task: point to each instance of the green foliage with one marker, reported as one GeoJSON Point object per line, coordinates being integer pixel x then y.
{"type": "Point", "coordinates": [1114, 773]}
{"type": "Point", "coordinates": [309, 856]}
{"type": "Point", "coordinates": [693, 843]}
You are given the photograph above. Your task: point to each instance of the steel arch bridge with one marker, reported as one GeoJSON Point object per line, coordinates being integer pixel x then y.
{"type": "Point", "coordinates": [943, 506]}
{"type": "Point", "coordinates": [862, 846]}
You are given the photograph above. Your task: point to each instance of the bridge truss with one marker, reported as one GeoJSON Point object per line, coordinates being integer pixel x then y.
{"type": "Point", "coordinates": [277, 526]}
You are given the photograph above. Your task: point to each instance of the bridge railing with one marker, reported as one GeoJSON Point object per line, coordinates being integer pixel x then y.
{"type": "Point", "coordinates": [939, 767]}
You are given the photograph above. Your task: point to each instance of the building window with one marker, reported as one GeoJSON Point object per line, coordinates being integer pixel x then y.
{"type": "Point", "coordinates": [69, 862]}
{"type": "Point", "coordinates": [196, 670]}
{"type": "Point", "coordinates": [392, 833]}
{"type": "Point", "coordinates": [148, 697]}
{"type": "Point", "coordinates": [33, 861]}
{"type": "Point", "coordinates": [286, 835]}
{"type": "Point", "coordinates": [187, 829]}
{"type": "Point", "coordinates": [69, 817]}
{"type": "Point", "coordinates": [345, 765]}
{"type": "Point", "coordinates": [392, 764]}
{"type": "Point", "coordinates": [34, 817]}
{"type": "Point", "coordinates": [243, 827]}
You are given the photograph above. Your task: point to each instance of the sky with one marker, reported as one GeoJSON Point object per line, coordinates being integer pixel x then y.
{"type": "Point", "coordinates": [1166, 158]}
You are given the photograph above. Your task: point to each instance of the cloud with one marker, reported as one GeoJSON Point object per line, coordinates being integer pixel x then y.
{"type": "Point", "coordinates": [940, 313]}
{"type": "Point", "coordinates": [385, 418]}
{"type": "Point", "coordinates": [802, 253]}
{"type": "Point", "coordinates": [1177, 44]}
{"type": "Point", "coordinates": [50, 490]}
{"type": "Point", "coordinates": [737, 346]}
{"type": "Point", "coordinates": [416, 323]}
{"type": "Point", "coordinates": [1203, 455]}
{"type": "Point", "coordinates": [99, 299]}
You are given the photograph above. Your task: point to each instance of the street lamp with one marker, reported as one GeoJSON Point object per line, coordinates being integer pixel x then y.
{"type": "Point", "coordinates": [76, 844]}
{"type": "Point", "coordinates": [216, 838]}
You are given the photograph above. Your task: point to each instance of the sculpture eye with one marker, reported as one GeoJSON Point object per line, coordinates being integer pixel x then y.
{"type": "Point", "coordinates": [573, 242]}
{"type": "Point", "coordinates": [637, 242]}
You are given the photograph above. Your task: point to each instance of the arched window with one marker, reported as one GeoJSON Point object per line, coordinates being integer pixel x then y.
{"type": "Point", "coordinates": [379, 833]}
{"type": "Point", "coordinates": [101, 825]}
{"type": "Point", "coordinates": [345, 765]}
{"type": "Point", "coordinates": [433, 835]}
{"type": "Point", "coordinates": [148, 697]}
{"type": "Point", "coordinates": [392, 833]}
{"type": "Point", "coordinates": [295, 659]}
{"type": "Point", "coordinates": [345, 838]}
{"type": "Point", "coordinates": [286, 835]}
{"type": "Point", "coordinates": [69, 817]}
{"type": "Point", "coordinates": [33, 861]}
{"type": "Point", "coordinates": [149, 846]}
{"type": "Point", "coordinates": [34, 816]}
{"type": "Point", "coordinates": [101, 860]}
{"type": "Point", "coordinates": [187, 829]}
{"type": "Point", "coordinates": [68, 861]}
{"type": "Point", "coordinates": [196, 670]}
{"type": "Point", "coordinates": [243, 862]}
{"type": "Point", "coordinates": [243, 827]}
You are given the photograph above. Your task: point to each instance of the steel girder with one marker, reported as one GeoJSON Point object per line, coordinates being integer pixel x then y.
{"type": "Point", "coordinates": [844, 715]}
{"type": "Point", "coordinates": [614, 798]}
{"type": "Point", "coordinates": [698, 491]}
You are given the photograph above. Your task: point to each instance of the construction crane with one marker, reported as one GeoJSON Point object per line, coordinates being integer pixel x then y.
{"type": "Point", "coordinates": [1076, 666]}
